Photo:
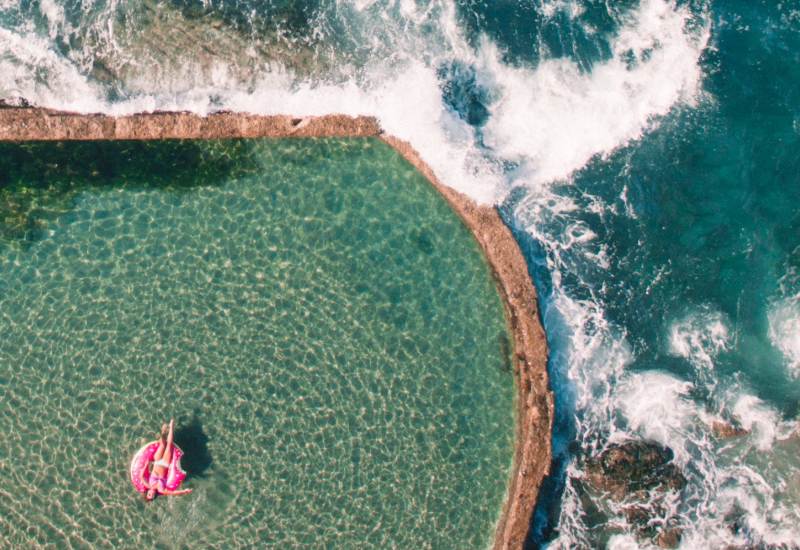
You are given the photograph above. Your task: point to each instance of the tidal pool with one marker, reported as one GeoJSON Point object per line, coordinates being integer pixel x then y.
{"type": "Point", "coordinates": [321, 325]}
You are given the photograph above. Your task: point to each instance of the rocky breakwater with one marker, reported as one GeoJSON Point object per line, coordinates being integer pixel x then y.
{"type": "Point", "coordinates": [532, 457]}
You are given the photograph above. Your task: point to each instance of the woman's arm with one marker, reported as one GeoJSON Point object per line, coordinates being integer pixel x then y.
{"type": "Point", "coordinates": [169, 493]}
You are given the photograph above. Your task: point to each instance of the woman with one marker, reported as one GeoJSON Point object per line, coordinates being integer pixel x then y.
{"type": "Point", "coordinates": [161, 461]}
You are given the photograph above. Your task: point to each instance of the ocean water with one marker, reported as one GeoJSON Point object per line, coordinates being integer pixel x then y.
{"type": "Point", "coordinates": [644, 152]}
{"type": "Point", "coordinates": [339, 372]}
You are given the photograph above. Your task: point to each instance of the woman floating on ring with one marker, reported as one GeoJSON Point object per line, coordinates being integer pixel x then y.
{"type": "Point", "coordinates": [156, 484]}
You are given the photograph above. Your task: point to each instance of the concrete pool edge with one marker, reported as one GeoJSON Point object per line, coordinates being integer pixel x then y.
{"type": "Point", "coordinates": [532, 455]}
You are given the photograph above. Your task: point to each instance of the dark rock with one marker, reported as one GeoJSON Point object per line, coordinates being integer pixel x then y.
{"type": "Point", "coordinates": [649, 522]}
{"type": "Point", "coordinates": [637, 515]}
{"type": "Point", "coordinates": [669, 537]}
{"type": "Point", "coordinates": [640, 474]}
{"type": "Point", "coordinates": [102, 72]}
{"type": "Point", "coordinates": [725, 430]}
{"type": "Point", "coordinates": [14, 102]}
{"type": "Point", "coordinates": [633, 466]}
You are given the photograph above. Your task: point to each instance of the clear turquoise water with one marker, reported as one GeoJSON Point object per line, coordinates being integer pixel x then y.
{"type": "Point", "coordinates": [322, 327]}
{"type": "Point", "coordinates": [644, 151]}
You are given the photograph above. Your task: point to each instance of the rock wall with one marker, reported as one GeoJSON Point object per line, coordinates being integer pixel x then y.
{"type": "Point", "coordinates": [32, 124]}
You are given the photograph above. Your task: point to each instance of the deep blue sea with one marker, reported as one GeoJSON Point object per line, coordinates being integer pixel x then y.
{"type": "Point", "coordinates": [646, 154]}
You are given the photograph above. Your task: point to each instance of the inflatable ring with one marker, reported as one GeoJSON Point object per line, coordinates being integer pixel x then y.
{"type": "Point", "coordinates": [175, 474]}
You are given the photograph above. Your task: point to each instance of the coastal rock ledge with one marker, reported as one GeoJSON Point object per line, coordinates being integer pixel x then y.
{"type": "Point", "coordinates": [532, 456]}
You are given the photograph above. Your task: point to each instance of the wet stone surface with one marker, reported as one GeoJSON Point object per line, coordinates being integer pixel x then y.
{"type": "Point", "coordinates": [622, 469]}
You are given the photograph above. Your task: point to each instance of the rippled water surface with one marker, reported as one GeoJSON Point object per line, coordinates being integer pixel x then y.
{"type": "Point", "coordinates": [320, 324]}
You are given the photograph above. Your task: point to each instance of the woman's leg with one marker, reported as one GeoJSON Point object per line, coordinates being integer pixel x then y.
{"type": "Point", "coordinates": [167, 455]}
{"type": "Point", "coordinates": [162, 444]}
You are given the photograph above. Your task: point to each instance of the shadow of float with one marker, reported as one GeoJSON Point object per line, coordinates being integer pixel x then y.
{"type": "Point", "coordinates": [193, 440]}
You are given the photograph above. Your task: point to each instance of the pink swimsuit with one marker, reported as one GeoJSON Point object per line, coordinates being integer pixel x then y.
{"type": "Point", "coordinates": [142, 479]}
{"type": "Point", "coordinates": [161, 481]}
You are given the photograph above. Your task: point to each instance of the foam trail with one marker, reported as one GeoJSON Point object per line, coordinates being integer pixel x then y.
{"type": "Point", "coordinates": [718, 488]}
{"type": "Point", "coordinates": [54, 14]}
{"type": "Point", "coordinates": [784, 331]}
{"type": "Point", "coordinates": [623, 542]}
{"type": "Point", "coordinates": [744, 511]}
{"type": "Point", "coordinates": [590, 355]}
{"type": "Point", "coordinates": [700, 337]}
{"type": "Point", "coordinates": [763, 421]}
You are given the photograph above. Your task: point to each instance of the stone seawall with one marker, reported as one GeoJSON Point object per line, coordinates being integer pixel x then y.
{"type": "Point", "coordinates": [31, 124]}
{"type": "Point", "coordinates": [532, 455]}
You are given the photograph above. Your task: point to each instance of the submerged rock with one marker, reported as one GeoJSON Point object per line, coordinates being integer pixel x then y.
{"type": "Point", "coordinates": [726, 430]}
{"type": "Point", "coordinates": [653, 522]}
{"type": "Point", "coordinates": [633, 466]}
{"type": "Point", "coordinates": [639, 475]}
{"type": "Point", "coordinates": [163, 47]}
{"type": "Point", "coordinates": [669, 537]}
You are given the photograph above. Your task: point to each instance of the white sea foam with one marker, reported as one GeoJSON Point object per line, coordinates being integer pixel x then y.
{"type": "Point", "coordinates": [745, 509]}
{"type": "Point", "coordinates": [446, 142]}
{"type": "Point", "coordinates": [699, 337]}
{"type": "Point", "coordinates": [574, 532]}
{"type": "Point", "coordinates": [555, 117]}
{"type": "Point", "coordinates": [656, 406]}
{"type": "Point", "coordinates": [626, 542]}
{"type": "Point", "coordinates": [761, 420]}
{"type": "Point", "coordinates": [784, 331]}
{"type": "Point", "coordinates": [570, 7]}
{"type": "Point", "coordinates": [54, 14]}
{"type": "Point", "coordinates": [598, 355]}
{"type": "Point", "coordinates": [589, 354]}
{"type": "Point", "coordinates": [30, 68]}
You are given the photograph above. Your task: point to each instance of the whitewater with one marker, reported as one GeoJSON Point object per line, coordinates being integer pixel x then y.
{"type": "Point", "coordinates": [579, 120]}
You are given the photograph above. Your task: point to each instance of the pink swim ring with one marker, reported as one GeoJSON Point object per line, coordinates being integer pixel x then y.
{"type": "Point", "coordinates": [175, 474]}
